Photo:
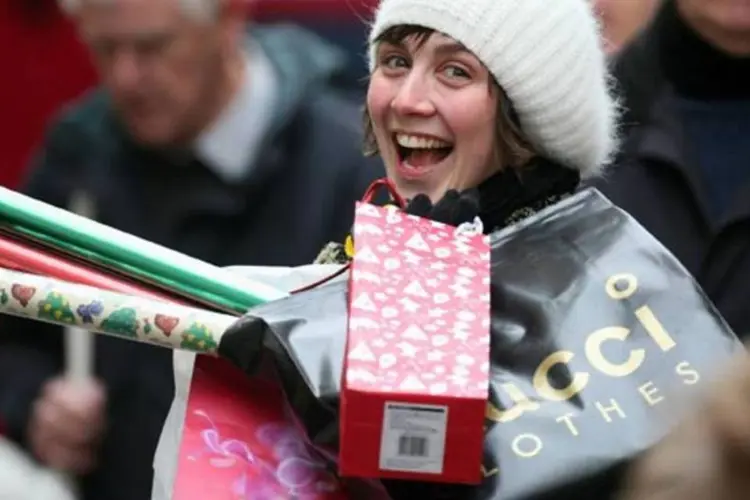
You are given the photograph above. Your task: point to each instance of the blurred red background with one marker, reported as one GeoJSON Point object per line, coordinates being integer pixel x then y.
{"type": "Point", "coordinates": [43, 65]}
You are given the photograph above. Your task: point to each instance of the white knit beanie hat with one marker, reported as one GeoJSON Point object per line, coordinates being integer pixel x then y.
{"type": "Point", "coordinates": [547, 56]}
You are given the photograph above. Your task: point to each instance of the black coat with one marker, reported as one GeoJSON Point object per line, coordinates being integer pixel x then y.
{"type": "Point", "coordinates": [657, 181]}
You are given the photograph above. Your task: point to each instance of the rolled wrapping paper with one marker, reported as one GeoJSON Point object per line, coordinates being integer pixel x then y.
{"type": "Point", "coordinates": [133, 256]}
{"type": "Point", "coordinates": [22, 257]}
{"type": "Point", "coordinates": [130, 317]}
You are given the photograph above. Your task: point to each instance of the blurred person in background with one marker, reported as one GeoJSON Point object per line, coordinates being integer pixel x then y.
{"type": "Point", "coordinates": [340, 22]}
{"type": "Point", "coordinates": [706, 456]}
{"type": "Point", "coordinates": [684, 168]}
{"type": "Point", "coordinates": [621, 20]}
{"type": "Point", "coordinates": [225, 145]}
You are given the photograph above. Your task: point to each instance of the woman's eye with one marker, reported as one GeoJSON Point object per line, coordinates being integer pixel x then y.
{"type": "Point", "coordinates": [394, 62]}
{"type": "Point", "coordinates": [455, 72]}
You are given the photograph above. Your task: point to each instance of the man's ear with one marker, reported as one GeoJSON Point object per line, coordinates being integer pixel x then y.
{"type": "Point", "coordinates": [234, 16]}
{"type": "Point", "coordinates": [236, 8]}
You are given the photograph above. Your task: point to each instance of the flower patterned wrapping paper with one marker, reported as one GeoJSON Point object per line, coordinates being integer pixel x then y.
{"type": "Point", "coordinates": [135, 318]}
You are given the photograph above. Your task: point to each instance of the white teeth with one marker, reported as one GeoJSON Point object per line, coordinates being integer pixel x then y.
{"type": "Point", "coordinates": [415, 142]}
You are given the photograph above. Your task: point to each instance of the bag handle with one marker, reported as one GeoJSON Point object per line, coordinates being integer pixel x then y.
{"type": "Point", "coordinates": [389, 186]}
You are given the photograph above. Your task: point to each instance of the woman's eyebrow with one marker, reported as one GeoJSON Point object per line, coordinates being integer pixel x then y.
{"type": "Point", "coordinates": [450, 48]}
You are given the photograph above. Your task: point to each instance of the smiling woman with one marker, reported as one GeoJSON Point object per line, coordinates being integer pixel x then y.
{"type": "Point", "coordinates": [487, 108]}
{"type": "Point", "coordinates": [432, 111]}
{"type": "Point", "coordinates": [439, 71]}
{"type": "Point", "coordinates": [484, 115]}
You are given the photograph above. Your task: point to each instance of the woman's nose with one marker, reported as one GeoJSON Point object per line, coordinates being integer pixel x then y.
{"type": "Point", "coordinates": [413, 97]}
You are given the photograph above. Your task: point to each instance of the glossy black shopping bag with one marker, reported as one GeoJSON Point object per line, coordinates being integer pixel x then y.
{"type": "Point", "coordinates": [598, 337]}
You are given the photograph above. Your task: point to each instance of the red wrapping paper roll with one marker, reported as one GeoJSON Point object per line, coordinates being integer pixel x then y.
{"type": "Point", "coordinates": [26, 257]}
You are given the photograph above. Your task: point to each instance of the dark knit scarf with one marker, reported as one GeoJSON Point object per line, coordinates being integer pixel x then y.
{"type": "Point", "coordinates": [515, 194]}
{"type": "Point", "coordinates": [507, 197]}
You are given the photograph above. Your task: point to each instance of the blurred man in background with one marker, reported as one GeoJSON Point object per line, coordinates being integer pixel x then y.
{"type": "Point", "coordinates": [684, 169]}
{"type": "Point", "coordinates": [622, 19]}
{"type": "Point", "coordinates": [229, 147]}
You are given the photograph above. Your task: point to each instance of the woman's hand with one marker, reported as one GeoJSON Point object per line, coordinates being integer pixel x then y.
{"type": "Point", "coordinates": [454, 208]}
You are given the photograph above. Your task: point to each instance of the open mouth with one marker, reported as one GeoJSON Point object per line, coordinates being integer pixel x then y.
{"type": "Point", "coordinates": [419, 153]}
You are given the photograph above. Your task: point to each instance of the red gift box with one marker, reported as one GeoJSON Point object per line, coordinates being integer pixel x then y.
{"type": "Point", "coordinates": [416, 372]}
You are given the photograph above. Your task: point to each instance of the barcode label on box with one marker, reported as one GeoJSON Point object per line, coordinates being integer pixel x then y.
{"type": "Point", "coordinates": [413, 438]}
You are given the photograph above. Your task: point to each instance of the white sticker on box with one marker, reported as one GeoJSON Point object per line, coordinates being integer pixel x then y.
{"type": "Point", "coordinates": [413, 438]}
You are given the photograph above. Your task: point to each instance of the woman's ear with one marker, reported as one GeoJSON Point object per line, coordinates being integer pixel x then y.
{"type": "Point", "coordinates": [369, 144]}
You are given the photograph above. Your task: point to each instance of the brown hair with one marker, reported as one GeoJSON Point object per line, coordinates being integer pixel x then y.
{"type": "Point", "coordinates": [511, 146]}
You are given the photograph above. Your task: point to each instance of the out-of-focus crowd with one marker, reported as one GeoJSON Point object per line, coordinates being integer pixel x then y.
{"type": "Point", "coordinates": [38, 45]}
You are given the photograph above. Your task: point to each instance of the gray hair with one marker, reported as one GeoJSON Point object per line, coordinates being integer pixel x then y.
{"type": "Point", "coordinates": [197, 9]}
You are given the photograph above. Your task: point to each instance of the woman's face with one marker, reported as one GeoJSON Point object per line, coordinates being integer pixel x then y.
{"type": "Point", "coordinates": [433, 114]}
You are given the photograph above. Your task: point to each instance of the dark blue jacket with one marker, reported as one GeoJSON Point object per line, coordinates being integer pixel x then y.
{"type": "Point", "coordinates": [660, 180]}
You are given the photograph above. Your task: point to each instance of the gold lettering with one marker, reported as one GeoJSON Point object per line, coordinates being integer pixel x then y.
{"type": "Point", "coordinates": [615, 289]}
{"type": "Point", "coordinates": [522, 405]}
{"type": "Point", "coordinates": [650, 393]}
{"type": "Point", "coordinates": [690, 375]}
{"type": "Point", "coordinates": [489, 472]}
{"type": "Point", "coordinates": [654, 328]}
{"type": "Point", "coordinates": [605, 411]}
{"type": "Point", "coordinates": [541, 378]}
{"type": "Point", "coordinates": [593, 348]}
{"type": "Point", "coordinates": [528, 451]}
{"type": "Point", "coordinates": [568, 419]}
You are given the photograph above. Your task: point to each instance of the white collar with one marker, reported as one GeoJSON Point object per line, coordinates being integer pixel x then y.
{"type": "Point", "coordinates": [230, 145]}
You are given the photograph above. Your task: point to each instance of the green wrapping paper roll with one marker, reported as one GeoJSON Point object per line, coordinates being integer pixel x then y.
{"type": "Point", "coordinates": [133, 256]}
{"type": "Point", "coordinates": [134, 318]}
